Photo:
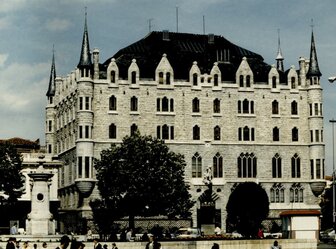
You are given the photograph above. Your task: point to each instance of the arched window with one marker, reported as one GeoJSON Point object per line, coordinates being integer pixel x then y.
{"type": "Point", "coordinates": [295, 134]}
{"type": "Point", "coordinates": [113, 103]}
{"type": "Point", "coordinates": [217, 133]}
{"type": "Point", "coordinates": [133, 77]}
{"type": "Point", "coordinates": [296, 193]}
{"type": "Point", "coordinates": [196, 132]}
{"type": "Point", "coordinates": [195, 105]}
{"type": "Point", "coordinates": [112, 131]}
{"type": "Point", "coordinates": [195, 79]}
{"type": "Point", "coordinates": [275, 107]}
{"type": "Point", "coordinates": [113, 76]}
{"type": "Point", "coordinates": [165, 132]}
{"type": "Point", "coordinates": [246, 133]}
{"type": "Point", "coordinates": [158, 132]}
{"type": "Point", "coordinates": [277, 193]}
{"type": "Point", "coordinates": [239, 106]}
{"type": "Point", "coordinates": [248, 81]}
{"type": "Point", "coordinates": [276, 166]}
{"type": "Point", "coordinates": [273, 82]}
{"type": "Point", "coordinates": [217, 167]}
{"type": "Point", "coordinates": [216, 106]}
{"type": "Point", "coordinates": [196, 166]}
{"type": "Point", "coordinates": [296, 167]}
{"type": "Point", "coordinates": [165, 104]}
{"type": "Point", "coordinates": [134, 129]}
{"type": "Point", "coordinates": [134, 103]}
{"type": "Point", "coordinates": [168, 78]}
{"type": "Point", "coordinates": [160, 77]}
{"type": "Point", "coordinates": [246, 108]}
{"type": "Point", "coordinates": [241, 80]}
{"type": "Point", "coordinates": [158, 104]}
{"type": "Point", "coordinates": [276, 134]}
{"type": "Point", "coordinates": [294, 108]}
{"type": "Point", "coordinates": [216, 80]}
{"type": "Point", "coordinates": [247, 165]}
{"type": "Point", "coordinates": [172, 105]}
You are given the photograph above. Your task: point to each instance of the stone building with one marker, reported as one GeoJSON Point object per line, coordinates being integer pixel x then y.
{"type": "Point", "coordinates": [218, 104]}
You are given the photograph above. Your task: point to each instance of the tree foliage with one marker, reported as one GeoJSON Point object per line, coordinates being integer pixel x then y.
{"type": "Point", "coordinates": [10, 172]}
{"type": "Point", "coordinates": [247, 207]}
{"type": "Point", "coordinates": [326, 205]}
{"type": "Point", "coordinates": [142, 177]}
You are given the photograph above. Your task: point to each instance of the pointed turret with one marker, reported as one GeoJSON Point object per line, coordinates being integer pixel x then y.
{"type": "Point", "coordinates": [313, 69]}
{"type": "Point", "coordinates": [279, 57]}
{"type": "Point", "coordinates": [85, 56]}
{"type": "Point", "coordinates": [52, 82]}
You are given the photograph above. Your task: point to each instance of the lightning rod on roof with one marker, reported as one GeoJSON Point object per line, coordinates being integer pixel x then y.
{"type": "Point", "coordinates": [203, 25]}
{"type": "Point", "coordinates": [176, 19]}
{"type": "Point", "coordinates": [150, 24]}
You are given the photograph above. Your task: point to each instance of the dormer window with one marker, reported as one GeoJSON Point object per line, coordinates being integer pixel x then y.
{"type": "Point", "coordinates": [113, 76]}
{"type": "Point", "coordinates": [293, 82]}
{"type": "Point", "coordinates": [273, 82]}
{"type": "Point", "coordinates": [161, 78]}
{"type": "Point", "coordinates": [133, 76]}
{"type": "Point", "coordinates": [241, 81]}
{"type": "Point", "coordinates": [216, 80]}
{"type": "Point", "coordinates": [248, 81]}
{"type": "Point", "coordinates": [195, 80]}
{"type": "Point", "coordinates": [168, 78]}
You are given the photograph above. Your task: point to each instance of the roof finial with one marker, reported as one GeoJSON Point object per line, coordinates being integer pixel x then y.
{"type": "Point", "coordinates": [279, 57]}
{"type": "Point", "coordinates": [312, 24]}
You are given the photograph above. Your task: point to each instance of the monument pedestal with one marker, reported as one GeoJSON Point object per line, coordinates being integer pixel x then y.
{"type": "Point", "coordinates": [208, 229]}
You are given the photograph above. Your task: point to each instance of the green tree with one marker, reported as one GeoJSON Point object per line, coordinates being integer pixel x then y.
{"type": "Point", "coordinates": [10, 172]}
{"type": "Point", "coordinates": [142, 177]}
{"type": "Point", "coordinates": [247, 207]}
{"type": "Point", "coordinates": [326, 205]}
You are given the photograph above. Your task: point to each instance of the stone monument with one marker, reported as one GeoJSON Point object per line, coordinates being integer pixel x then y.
{"type": "Point", "coordinates": [40, 220]}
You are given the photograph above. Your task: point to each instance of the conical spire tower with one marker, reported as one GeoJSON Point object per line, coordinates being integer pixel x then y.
{"type": "Point", "coordinates": [85, 56]}
{"type": "Point", "coordinates": [314, 69]}
{"type": "Point", "coordinates": [279, 57]}
{"type": "Point", "coordinates": [52, 82]}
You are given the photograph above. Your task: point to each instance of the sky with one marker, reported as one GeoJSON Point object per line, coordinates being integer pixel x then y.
{"type": "Point", "coordinates": [30, 28]}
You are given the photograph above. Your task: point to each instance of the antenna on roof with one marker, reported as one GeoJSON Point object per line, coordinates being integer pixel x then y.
{"type": "Point", "coordinates": [150, 24]}
{"type": "Point", "coordinates": [176, 19]}
{"type": "Point", "coordinates": [203, 25]}
{"type": "Point", "coordinates": [312, 24]}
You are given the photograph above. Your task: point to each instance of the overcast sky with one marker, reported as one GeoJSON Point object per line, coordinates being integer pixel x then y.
{"type": "Point", "coordinates": [29, 28]}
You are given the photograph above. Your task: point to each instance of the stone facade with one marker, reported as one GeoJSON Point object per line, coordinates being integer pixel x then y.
{"type": "Point", "coordinates": [269, 132]}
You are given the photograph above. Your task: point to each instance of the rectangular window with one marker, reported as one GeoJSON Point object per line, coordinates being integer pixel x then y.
{"type": "Point", "coordinates": [87, 167]}
{"type": "Point", "coordinates": [312, 168]}
{"type": "Point", "coordinates": [50, 125]}
{"type": "Point", "coordinates": [80, 130]}
{"type": "Point", "coordinates": [49, 149]}
{"type": "Point", "coordinates": [316, 109]}
{"type": "Point", "coordinates": [87, 131]}
{"type": "Point", "coordinates": [80, 103]}
{"type": "Point", "coordinates": [310, 109]}
{"type": "Point", "coordinates": [318, 169]}
{"type": "Point", "coordinates": [172, 132]}
{"type": "Point", "coordinates": [317, 136]}
{"type": "Point", "coordinates": [87, 103]}
{"type": "Point", "coordinates": [311, 136]}
{"type": "Point", "coordinates": [79, 167]}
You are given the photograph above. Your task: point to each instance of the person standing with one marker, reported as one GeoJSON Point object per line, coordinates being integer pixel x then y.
{"type": "Point", "coordinates": [65, 241]}
{"type": "Point", "coordinates": [114, 246]}
{"type": "Point", "coordinates": [153, 243]}
{"type": "Point", "coordinates": [44, 245]}
{"type": "Point", "coordinates": [96, 244]}
{"type": "Point", "coordinates": [129, 235]}
{"type": "Point", "coordinates": [11, 243]}
{"type": "Point", "coordinates": [276, 245]}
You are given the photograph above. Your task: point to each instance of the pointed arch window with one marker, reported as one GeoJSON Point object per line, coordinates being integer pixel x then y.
{"type": "Point", "coordinates": [112, 131]}
{"type": "Point", "coordinates": [275, 107]}
{"type": "Point", "coordinates": [295, 134]}
{"type": "Point", "coordinates": [196, 165]}
{"type": "Point", "coordinates": [113, 103]}
{"type": "Point", "coordinates": [160, 77]}
{"type": "Point", "coordinates": [133, 76]}
{"type": "Point", "coordinates": [248, 81]}
{"type": "Point", "coordinates": [196, 132]}
{"type": "Point", "coordinates": [134, 129]}
{"type": "Point", "coordinates": [277, 193]}
{"type": "Point", "coordinates": [247, 165]}
{"type": "Point", "coordinates": [276, 166]}
{"type": "Point", "coordinates": [276, 134]}
{"type": "Point", "coordinates": [246, 108]}
{"type": "Point", "coordinates": [134, 104]}
{"type": "Point", "coordinates": [168, 78]}
{"type": "Point", "coordinates": [217, 133]}
{"type": "Point", "coordinates": [195, 105]}
{"type": "Point", "coordinates": [216, 106]}
{"type": "Point", "coordinates": [241, 80]}
{"type": "Point", "coordinates": [293, 83]}
{"type": "Point", "coordinates": [296, 167]}
{"type": "Point", "coordinates": [165, 104]}
{"type": "Point", "coordinates": [217, 167]}
{"type": "Point", "coordinates": [172, 105]}
{"type": "Point", "coordinates": [294, 108]}
{"type": "Point", "coordinates": [296, 193]}
{"type": "Point", "coordinates": [165, 132]}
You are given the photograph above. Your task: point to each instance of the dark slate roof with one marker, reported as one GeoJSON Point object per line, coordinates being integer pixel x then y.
{"type": "Point", "coordinates": [85, 56]}
{"type": "Point", "coordinates": [182, 50]}
{"type": "Point", "coordinates": [314, 69]}
{"type": "Point", "coordinates": [52, 83]}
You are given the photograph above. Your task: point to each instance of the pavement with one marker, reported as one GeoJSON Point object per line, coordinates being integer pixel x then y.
{"type": "Point", "coordinates": [322, 245]}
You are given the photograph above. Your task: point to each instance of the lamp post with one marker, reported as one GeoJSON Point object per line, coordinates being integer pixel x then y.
{"type": "Point", "coordinates": [332, 121]}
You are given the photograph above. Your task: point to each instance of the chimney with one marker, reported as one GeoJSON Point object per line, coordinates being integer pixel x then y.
{"type": "Point", "coordinates": [165, 35]}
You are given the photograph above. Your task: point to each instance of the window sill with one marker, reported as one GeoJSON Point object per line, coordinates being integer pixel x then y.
{"type": "Point", "coordinates": [196, 114]}
{"type": "Point", "coordinates": [246, 115]}
{"type": "Point", "coordinates": [295, 116]}
{"type": "Point", "coordinates": [217, 115]}
{"type": "Point", "coordinates": [165, 113]}
{"type": "Point", "coordinates": [134, 113]}
{"type": "Point", "coordinates": [113, 112]}
{"type": "Point", "coordinates": [275, 116]}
